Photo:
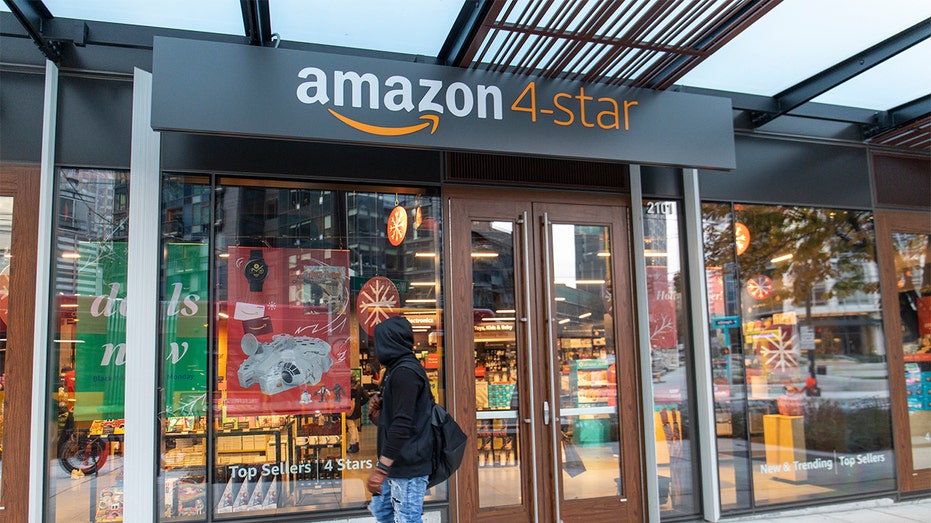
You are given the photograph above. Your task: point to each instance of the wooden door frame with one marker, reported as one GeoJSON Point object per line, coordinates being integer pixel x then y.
{"type": "Point", "coordinates": [888, 222]}
{"type": "Point", "coordinates": [459, 315]}
{"type": "Point", "coordinates": [22, 183]}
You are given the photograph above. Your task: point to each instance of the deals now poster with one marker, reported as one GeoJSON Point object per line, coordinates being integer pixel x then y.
{"type": "Point", "coordinates": [287, 331]}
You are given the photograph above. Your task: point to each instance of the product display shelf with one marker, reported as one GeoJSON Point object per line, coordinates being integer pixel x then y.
{"type": "Point", "coordinates": [319, 447]}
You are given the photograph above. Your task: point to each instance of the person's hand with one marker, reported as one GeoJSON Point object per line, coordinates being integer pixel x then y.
{"type": "Point", "coordinates": [375, 481]}
{"type": "Point", "coordinates": [374, 408]}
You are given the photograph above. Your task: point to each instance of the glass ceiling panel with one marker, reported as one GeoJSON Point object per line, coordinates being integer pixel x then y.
{"type": "Point", "coordinates": [800, 38]}
{"type": "Point", "coordinates": [412, 27]}
{"type": "Point", "coordinates": [898, 80]}
{"type": "Point", "coordinates": [210, 16]}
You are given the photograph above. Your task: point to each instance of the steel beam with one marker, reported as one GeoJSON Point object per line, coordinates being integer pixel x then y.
{"type": "Point", "coordinates": [824, 81]}
{"type": "Point", "coordinates": [463, 31]}
{"type": "Point", "coordinates": [898, 116]}
{"type": "Point", "coordinates": [257, 21]}
{"type": "Point", "coordinates": [32, 15]}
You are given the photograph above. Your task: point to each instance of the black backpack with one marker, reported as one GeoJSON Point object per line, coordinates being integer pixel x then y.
{"type": "Point", "coordinates": [449, 445]}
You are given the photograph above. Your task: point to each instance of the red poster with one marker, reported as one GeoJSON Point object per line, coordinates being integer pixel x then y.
{"type": "Point", "coordinates": [924, 316]}
{"type": "Point", "coordinates": [288, 328]}
{"type": "Point", "coordinates": [662, 302]}
{"type": "Point", "coordinates": [715, 280]}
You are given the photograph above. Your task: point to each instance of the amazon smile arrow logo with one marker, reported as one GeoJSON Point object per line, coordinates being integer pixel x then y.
{"type": "Point", "coordinates": [389, 131]}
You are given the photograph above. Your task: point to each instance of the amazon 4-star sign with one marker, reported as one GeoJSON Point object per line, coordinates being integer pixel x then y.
{"type": "Point", "coordinates": [209, 87]}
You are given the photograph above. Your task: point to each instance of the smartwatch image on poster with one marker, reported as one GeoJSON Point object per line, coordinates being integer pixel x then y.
{"type": "Point", "coordinates": [256, 270]}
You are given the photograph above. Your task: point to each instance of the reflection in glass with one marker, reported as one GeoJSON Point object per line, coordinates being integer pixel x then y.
{"type": "Point", "coordinates": [496, 364]}
{"type": "Point", "coordinates": [266, 370]}
{"type": "Point", "coordinates": [913, 280]}
{"type": "Point", "coordinates": [6, 235]}
{"type": "Point", "coordinates": [669, 338]}
{"type": "Point", "coordinates": [796, 327]}
{"type": "Point", "coordinates": [88, 349]}
{"type": "Point", "coordinates": [587, 376]}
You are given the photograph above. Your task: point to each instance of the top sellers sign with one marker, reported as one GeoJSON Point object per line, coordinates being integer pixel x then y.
{"type": "Point", "coordinates": [243, 90]}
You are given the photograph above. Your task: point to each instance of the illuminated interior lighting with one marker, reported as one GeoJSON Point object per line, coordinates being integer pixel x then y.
{"type": "Point", "coordinates": [224, 255]}
{"type": "Point", "coordinates": [420, 311]}
{"type": "Point", "coordinates": [782, 258]}
{"type": "Point", "coordinates": [68, 341]}
{"type": "Point", "coordinates": [69, 305]}
{"type": "Point", "coordinates": [499, 319]}
{"type": "Point", "coordinates": [564, 321]}
{"type": "Point", "coordinates": [559, 298]}
{"type": "Point", "coordinates": [484, 255]}
{"type": "Point", "coordinates": [223, 315]}
{"type": "Point", "coordinates": [583, 316]}
{"type": "Point", "coordinates": [421, 300]}
{"type": "Point", "coordinates": [604, 254]}
{"type": "Point", "coordinates": [423, 284]}
{"type": "Point", "coordinates": [506, 311]}
{"type": "Point", "coordinates": [589, 282]}
{"type": "Point", "coordinates": [425, 255]}
{"type": "Point", "coordinates": [69, 255]}
{"type": "Point", "coordinates": [655, 254]}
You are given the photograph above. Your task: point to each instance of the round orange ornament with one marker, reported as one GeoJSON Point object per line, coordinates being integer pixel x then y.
{"type": "Point", "coordinates": [397, 225]}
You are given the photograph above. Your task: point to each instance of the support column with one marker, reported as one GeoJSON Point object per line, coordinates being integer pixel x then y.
{"type": "Point", "coordinates": [142, 283]}
{"type": "Point", "coordinates": [698, 313]}
{"type": "Point", "coordinates": [44, 257]}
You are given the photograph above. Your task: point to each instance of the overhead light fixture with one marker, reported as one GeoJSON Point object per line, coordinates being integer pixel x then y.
{"type": "Point", "coordinates": [604, 254]}
{"type": "Point", "coordinates": [423, 284]}
{"type": "Point", "coordinates": [421, 300]}
{"type": "Point", "coordinates": [564, 321]}
{"type": "Point", "coordinates": [506, 311]}
{"type": "Point", "coordinates": [484, 254]}
{"type": "Point", "coordinates": [583, 316]}
{"type": "Point", "coordinates": [425, 255]}
{"type": "Point", "coordinates": [782, 258]}
{"type": "Point", "coordinates": [71, 255]}
{"type": "Point", "coordinates": [224, 255]}
{"type": "Point", "coordinates": [655, 254]}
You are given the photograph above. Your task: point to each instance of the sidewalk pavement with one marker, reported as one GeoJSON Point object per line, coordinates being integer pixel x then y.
{"type": "Point", "coordinates": [883, 510]}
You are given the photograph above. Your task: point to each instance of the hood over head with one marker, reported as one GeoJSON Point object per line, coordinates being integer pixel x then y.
{"type": "Point", "coordinates": [394, 338]}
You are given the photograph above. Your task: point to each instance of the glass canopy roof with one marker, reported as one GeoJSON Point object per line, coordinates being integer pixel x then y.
{"type": "Point", "coordinates": [783, 46]}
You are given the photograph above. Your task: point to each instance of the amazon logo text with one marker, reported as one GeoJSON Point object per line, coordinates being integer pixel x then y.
{"type": "Point", "coordinates": [430, 96]}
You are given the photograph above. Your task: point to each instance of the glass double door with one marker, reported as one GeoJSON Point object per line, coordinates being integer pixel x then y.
{"type": "Point", "coordinates": [543, 360]}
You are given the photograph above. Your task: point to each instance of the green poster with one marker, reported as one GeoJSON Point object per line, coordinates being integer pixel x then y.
{"type": "Point", "coordinates": [184, 329]}
{"type": "Point", "coordinates": [100, 333]}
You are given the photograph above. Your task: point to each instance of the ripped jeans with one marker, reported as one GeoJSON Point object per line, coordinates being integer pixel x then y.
{"type": "Point", "coordinates": [404, 504]}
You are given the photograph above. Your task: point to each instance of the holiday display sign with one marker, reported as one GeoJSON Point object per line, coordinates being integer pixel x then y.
{"type": "Point", "coordinates": [288, 331]}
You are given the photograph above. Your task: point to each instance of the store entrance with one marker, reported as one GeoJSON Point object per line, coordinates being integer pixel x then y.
{"type": "Point", "coordinates": [904, 241]}
{"type": "Point", "coordinates": [542, 335]}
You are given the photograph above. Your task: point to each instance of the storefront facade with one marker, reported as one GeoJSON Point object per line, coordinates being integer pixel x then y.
{"type": "Point", "coordinates": [636, 312]}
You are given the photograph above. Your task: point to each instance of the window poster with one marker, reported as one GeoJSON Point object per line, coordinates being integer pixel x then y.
{"type": "Point", "coordinates": [184, 344]}
{"type": "Point", "coordinates": [287, 331]}
{"type": "Point", "coordinates": [100, 332]}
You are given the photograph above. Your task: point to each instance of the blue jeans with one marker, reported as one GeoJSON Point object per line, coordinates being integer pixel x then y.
{"type": "Point", "coordinates": [401, 500]}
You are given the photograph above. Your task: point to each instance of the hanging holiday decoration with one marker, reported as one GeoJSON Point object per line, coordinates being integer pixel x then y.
{"type": "Point", "coordinates": [742, 237]}
{"type": "Point", "coordinates": [397, 225]}
{"type": "Point", "coordinates": [760, 287]}
{"type": "Point", "coordinates": [378, 301]}
{"type": "Point", "coordinates": [778, 352]}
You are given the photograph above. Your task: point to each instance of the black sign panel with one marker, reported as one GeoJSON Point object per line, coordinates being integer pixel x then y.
{"type": "Point", "coordinates": [218, 88]}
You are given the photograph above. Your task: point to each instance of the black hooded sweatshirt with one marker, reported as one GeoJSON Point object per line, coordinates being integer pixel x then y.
{"type": "Point", "coordinates": [404, 431]}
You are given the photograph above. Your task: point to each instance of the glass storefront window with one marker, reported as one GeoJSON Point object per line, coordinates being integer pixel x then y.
{"type": "Point", "coordinates": [670, 354]}
{"type": "Point", "coordinates": [270, 296]}
{"type": "Point", "coordinates": [800, 373]}
{"type": "Point", "coordinates": [88, 346]}
{"type": "Point", "coordinates": [913, 284]}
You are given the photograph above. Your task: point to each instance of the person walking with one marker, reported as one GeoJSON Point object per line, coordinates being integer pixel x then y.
{"type": "Point", "coordinates": [398, 482]}
{"type": "Point", "coordinates": [358, 398]}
